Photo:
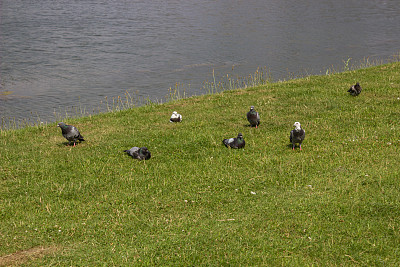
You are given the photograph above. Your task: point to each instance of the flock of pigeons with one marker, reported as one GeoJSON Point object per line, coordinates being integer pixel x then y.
{"type": "Point", "coordinates": [297, 135]}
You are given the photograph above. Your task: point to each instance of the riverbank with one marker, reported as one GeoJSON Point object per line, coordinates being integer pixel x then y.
{"type": "Point", "coordinates": [196, 202]}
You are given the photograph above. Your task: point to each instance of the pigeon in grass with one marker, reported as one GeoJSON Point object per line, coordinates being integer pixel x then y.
{"type": "Point", "coordinates": [141, 153]}
{"type": "Point", "coordinates": [297, 135]}
{"type": "Point", "coordinates": [253, 117]}
{"type": "Point", "coordinates": [355, 90]}
{"type": "Point", "coordinates": [237, 142]}
{"type": "Point", "coordinates": [70, 133]}
{"type": "Point", "coordinates": [175, 117]}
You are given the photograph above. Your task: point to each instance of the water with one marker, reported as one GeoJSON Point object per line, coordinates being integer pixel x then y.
{"type": "Point", "coordinates": [58, 54]}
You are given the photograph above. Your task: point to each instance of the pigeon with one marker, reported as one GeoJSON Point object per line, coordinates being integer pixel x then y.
{"type": "Point", "coordinates": [175, 117]}
{"type": "Point", "coordinates": [297, 135]}
{"type": "Point", "coordinates": [253, 117]}
{"type": "Point", "coordinates": [139, 153]}
{"type": "Point", "coordinates": [355, 90]}
{"type": "Point", "coordinates": [70, 132]}
{"type": "Point", "coordinates": [237, 142]}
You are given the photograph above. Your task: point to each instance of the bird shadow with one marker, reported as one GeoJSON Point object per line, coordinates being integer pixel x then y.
{"type": "Point", "coordinates": [67, 144]}
{"type": "Point", "coordinates": [250, 126]}
{"type": "Point", "coordinates": [63, 144]}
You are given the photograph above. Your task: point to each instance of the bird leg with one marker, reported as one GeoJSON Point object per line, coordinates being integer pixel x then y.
{"type": "Point", "coordinates": [300, 147]}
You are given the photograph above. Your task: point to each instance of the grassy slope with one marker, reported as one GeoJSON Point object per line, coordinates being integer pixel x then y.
{"type": "Point", "coordinates": [336, 202]}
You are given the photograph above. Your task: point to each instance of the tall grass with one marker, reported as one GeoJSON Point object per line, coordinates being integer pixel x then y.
{"type": "Point", "coordinates": [260, 77]}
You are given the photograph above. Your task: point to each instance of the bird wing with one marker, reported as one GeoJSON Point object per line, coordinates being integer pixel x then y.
{"type": "Point", "coordinates": [133, 151]}
{"type": "Point", "coordinates": [303, 134]}
{"type": "Point", "coordinates": [228, 142]}
{"type": "Point", "coordinates": [74, 132]}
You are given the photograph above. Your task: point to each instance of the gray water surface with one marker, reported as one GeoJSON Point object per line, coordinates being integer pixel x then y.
{"type": "Point", "coordinates": [58, 54]}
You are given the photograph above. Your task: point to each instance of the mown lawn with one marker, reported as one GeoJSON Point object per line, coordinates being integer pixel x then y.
{"type": "Point", "coordinates": [195, 202]}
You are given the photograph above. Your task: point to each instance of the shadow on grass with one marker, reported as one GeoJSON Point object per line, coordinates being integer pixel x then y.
{"type": "Point", "coordinates": [249, 126]}
{"type": "Point", "coordinates": [68, 144]}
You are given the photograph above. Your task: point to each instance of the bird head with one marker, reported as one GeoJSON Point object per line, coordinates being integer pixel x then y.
{"type": "Point", "coordinates": [252, 108]}
{"type": "Point", "coordinates": [174, 112]}
{"type": "Point", "coordinates": [61, 124]}
{"type": "Point", "coordinates": [240, 135]}
{"type": "Point", "coordinates": [297, 125]}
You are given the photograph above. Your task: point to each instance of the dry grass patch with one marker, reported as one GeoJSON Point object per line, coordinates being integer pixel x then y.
{"type": "Point", "coordinates": [24, 256]}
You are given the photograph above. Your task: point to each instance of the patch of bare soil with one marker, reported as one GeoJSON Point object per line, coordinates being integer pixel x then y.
{"type": "Point", "coordinates": [24, 256]}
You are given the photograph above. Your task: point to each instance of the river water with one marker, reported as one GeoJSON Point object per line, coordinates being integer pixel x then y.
{"type": "Point", "coordinates": [57, 55]}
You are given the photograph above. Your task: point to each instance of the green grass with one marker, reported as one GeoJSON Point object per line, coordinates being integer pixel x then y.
{"type": "Point", "coordinates": [195, 202]}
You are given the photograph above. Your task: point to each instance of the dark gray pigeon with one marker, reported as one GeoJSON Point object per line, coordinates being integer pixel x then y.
{"type": "Point", "coordinates": [253, 117]}
{"type": "Point", "coordinates": [70, 132]}
{"type": "Point", "coordinates": [237, 142]}
{"type": "Point", "coordinates": [175, 117]}
{"type": "Point", "coordinates": [355, 90]}
{"type": "Point", "coordinates": [297, 135]}
{"type": "Point", "coordinates": [139, 153]}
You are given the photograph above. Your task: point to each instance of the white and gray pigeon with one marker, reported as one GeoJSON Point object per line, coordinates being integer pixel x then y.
{"type": "Point", "coordinates": [175, 117]}
{"type": "Point", "coordinates": [70, 133]}
{"type": "Point", "coordinates": [237, 142]}
{"type": "Point", "coordinates": [297, 135]}
{"type": "Point", "coordinates": [355, 90]}
{"type": "Point", "coordinates": [141, 153]}
{"type": "Point", "coordinates": [253, 117]}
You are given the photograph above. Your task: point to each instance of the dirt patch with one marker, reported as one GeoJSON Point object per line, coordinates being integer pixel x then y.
{"type": "Point", "coordinates": [24, 256]}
